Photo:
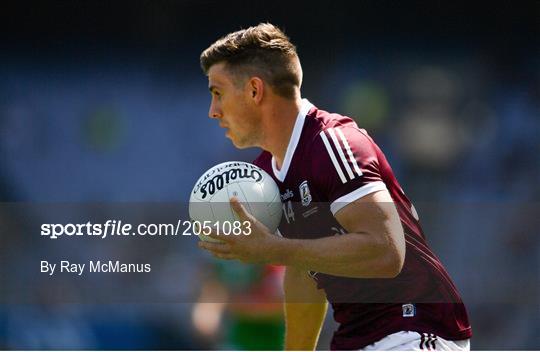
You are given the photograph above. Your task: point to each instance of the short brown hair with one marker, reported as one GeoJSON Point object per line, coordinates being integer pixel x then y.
{"type": "Point", "coordinates": [262, 50]}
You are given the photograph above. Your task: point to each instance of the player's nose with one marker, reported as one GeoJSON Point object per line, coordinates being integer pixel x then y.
{"type": "Point", "coordinates": [214, 112]}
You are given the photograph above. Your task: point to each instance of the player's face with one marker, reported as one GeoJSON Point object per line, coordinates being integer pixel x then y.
{"type": "Point", "coordinates": [232, 106]}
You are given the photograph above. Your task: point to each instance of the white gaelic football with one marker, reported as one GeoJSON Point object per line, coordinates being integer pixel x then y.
{"type": "Point", "coordinates": [253, 187]}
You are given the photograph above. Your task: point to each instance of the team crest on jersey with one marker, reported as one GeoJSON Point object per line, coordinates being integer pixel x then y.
{"type": "Point", "coordinates": [409, 310]}
{"type": "Point", "coordinates": [305, 194]}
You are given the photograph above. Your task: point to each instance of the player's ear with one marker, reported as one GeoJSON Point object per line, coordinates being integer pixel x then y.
{"type": "Point", "coordinates": [256, 89]}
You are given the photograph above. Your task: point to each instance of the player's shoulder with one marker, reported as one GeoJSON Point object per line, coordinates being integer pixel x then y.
{"type": "Point", "coordinates": [321, 122]}
{"type": "Point", "coordinates": [336, 136]}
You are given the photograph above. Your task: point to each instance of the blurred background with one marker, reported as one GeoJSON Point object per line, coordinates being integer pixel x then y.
{"type": "Point", "coordinates": [105, 102]}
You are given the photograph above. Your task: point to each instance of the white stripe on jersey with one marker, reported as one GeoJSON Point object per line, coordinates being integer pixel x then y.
{"type": "Point", "coordinates": [349, 152]}
{"type": "Point", "coordinates": [333, 157]}
{"type": "Point", "coordinates": [340, 152]}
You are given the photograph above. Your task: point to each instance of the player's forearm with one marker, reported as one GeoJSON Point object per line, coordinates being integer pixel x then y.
{"type": "Point", "coordinates": [352, 255]}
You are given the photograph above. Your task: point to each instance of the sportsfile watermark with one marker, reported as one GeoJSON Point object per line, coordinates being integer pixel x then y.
{"type": "Point", "coordinates": [150, 253]}
{"type": "Point", "coordinates": [119, 228]}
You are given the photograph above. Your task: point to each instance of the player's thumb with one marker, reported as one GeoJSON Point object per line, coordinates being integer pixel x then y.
{"type": "Point", "coordinates": [239, 209]}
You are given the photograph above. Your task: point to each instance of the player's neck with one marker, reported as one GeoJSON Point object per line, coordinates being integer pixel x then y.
{"type": "Point", "coordinates": [279, 127]}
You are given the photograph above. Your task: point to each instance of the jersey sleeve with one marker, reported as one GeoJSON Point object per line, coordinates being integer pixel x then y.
{"type": "Point", "coordinates": [346, 166]}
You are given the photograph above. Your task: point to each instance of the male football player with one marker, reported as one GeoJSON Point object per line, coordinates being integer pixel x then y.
{"type": "Point", "coordinates": [350, 236]}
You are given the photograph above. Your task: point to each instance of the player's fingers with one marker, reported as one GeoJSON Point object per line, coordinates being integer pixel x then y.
{"type": "Point", "coordinates": [215, 248]}
{"type": "Point", "coordinates": [224, 256]}
{"type": "Point", "coordinates": [239, 209]}
{"type": "Point", "coordinates": [221, 238]}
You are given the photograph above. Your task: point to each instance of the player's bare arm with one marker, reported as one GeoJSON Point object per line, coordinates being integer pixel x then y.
{"type": "Point", "coordinates": [305, 309]}
{"type": "Point", "coordinates": [374, 246]}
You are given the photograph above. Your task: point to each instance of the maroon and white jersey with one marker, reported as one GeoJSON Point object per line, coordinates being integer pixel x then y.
{"type": "Point", "coordinates": [331, 162]}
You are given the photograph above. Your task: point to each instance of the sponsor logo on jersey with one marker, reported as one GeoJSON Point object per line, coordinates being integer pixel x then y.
{"type": "Point", "coordinates": [288, 194]}
{"type": "Point", "coordinates": [409, 310]}
{"type": "Point", "coordinates": [305, 194]}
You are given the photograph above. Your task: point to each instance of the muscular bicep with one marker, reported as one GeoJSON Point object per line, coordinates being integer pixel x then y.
{"type": "Point", "coordinates": [376, 215]}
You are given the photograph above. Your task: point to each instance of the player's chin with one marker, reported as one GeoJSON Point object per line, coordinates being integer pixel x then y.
{"type": "Point", "coordinates": [238, 143]}
{"type": "Point", "coordinates": [230, 136]}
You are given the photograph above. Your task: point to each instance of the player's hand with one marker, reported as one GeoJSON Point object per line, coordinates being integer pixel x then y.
{"type": "Point", "coordinates": [248, 248]}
